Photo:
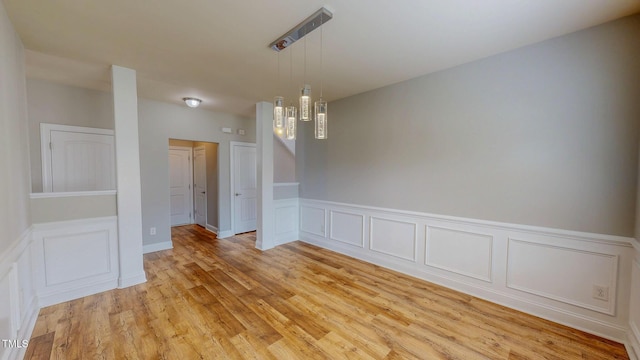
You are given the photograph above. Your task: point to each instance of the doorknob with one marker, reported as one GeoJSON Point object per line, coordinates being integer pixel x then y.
{"type": "Point", "coordinates": [238, 194]}
{"type": "Point", "coordinates": [201, 192]}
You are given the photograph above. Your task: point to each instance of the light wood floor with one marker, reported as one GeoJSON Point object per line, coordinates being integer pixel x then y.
{"type": "Point", "coordinates": [223, 299]}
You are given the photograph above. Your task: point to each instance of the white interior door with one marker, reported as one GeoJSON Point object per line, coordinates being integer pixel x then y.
{"type": "Point", "coordinates": [200, 185]}
{"type": "Point", "coordinates": [244, 187]}
{"type": "Point", "coordinates": [180, 185]}
{"type": "Point", "coordinates": [77, 158]}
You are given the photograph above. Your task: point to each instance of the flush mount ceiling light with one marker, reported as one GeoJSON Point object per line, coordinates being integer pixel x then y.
{"type": "Point", "coordinates": [192, 102]}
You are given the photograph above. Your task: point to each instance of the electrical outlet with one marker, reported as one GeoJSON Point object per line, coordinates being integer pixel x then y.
{"type": "Point", "coordinates": [322, 228]}
{"type": "Point", "coordinates": [601, 292]}
{"type": "Point", "coordinates": [152, 231]}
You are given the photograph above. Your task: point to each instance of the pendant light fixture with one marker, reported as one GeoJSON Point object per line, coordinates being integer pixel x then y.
{"type": "Point", "coordinates": [321, 125]}
{"type": "Point", "coordinates": [278, 108]}
{"type": "Point", "coordinates": [305, 93]}
{"type": "Point", "coordinates": [278, 112]}
{"type": "Point", "coordinates": [291, 123]}
{"type": "Point", "coordinates": [284, 118]}
{"type": "Point", "coordinates": [291, 110]}
{"type": "Point", "coordinates": [305, 103]}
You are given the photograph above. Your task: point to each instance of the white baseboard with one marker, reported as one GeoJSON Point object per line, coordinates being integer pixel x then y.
{"type": "Point", "coordinates": [212, 228]}
{"type": "Point", "coordinates": [149, 248]}
{"type": "Point", "coordinates": [225, 234]}
{"type": "Point", "coordinates": [497, 262]}
{"type": "Point", "coordinates": [132, 280]}
{"type": "Point", "coordinates": [56, 297]}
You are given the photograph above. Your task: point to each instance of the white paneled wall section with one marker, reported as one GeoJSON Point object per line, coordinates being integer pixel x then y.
{"type": "Point", "coordinates": [16, 291]}
{"type": "Point", "coordinates": [74, 258]}
{"type": "Point", "coordinates": [578, 279]}
{"type": "Point", "coordinates": [286, 212]}
{"type": "Point", "coordinates": [51, 263]}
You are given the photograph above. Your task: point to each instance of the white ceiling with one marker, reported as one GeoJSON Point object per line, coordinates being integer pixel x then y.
{"type": "Point", "coordinates": [217, 50]}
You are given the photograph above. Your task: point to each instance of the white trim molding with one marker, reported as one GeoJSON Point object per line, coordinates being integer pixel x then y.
{"type": "Point", "coordinates": [72, 194]}
{"type": "Point", "coordinates": [149, 248]}
{"type": "Point", "coordinates": [545, 272]}
{"type": "Point", "coordinates": [222, 234]}
{"type": "Point", "coordinates": [286, 184]}
{"type": "Point", "coordinates": [633, 336]}
{"type": "Point", "coordinates": [212, 229]}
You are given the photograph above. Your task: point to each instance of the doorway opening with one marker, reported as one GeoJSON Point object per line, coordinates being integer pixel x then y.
{"type": "Point", "coordinates": [193, 183]}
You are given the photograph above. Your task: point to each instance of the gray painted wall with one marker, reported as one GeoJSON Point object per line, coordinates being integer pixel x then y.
{"type": "Point", "coordinates": [15, 186]}
{"type": "Point", "coordinates": [157, 123]}
{"type": "Point", "coordinates": [545, 135]}
{"type": "Point", "coordinates": [65, 105]}
{"type": "Point", "coordinates": [284, 163]}
{"type": "Point", "coordinates": [45, 210]}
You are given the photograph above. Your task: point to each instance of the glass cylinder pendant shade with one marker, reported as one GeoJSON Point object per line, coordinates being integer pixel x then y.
{"type": "Point", "coordinates": [278, 113]}
{"type": "Point", "coordinates": [321, 119]}
{"type": "Point", "coordinates": [291, 122]}
{"type": "Point", "coordinates": [305, 103]}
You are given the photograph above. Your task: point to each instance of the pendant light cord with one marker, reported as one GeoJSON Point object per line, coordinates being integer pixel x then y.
{"type": "Point", "coordinates": [321, 52]}
{"type": "Point", "coordinates": [291, 71]}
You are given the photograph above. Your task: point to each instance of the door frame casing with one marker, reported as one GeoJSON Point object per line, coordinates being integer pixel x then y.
{"type": "Point", "coordinates": [232, 179]}
{"type": "Point", "coordinates": [190, 196]}
{"type": "Point", "coordinates": [45, 149]}
{"type": "Point", "coordinates": [206, 195]}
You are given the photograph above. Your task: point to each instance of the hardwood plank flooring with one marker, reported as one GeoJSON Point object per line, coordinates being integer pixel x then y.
{"type": "Point", "coordinates": [214, 298]}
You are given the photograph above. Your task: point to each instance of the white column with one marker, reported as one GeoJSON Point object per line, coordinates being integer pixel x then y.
{"type": "Point", "coordinates": [129, 198]}
{"type": "Point", "coordinates": [264, 150]}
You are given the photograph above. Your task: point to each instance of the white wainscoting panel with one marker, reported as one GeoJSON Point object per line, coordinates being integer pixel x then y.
{"type": "Point", "coordinates": [393, 237]}
{"type": "Point", "coordinates": [19, 309]}
{"type": "Point", "coordinates": [286, 213]}
{"type": "Point", "coordinates": [461, 252]}
{"type": "Point", "coordinates": [75, 258]}
{"type": "Point", "coordinates": [313, 220]}
{"type": "Point", "coordinates": [546, 272]}
{"type": "Point", "coordinates": [7, 330]}
{"type": "Point", "coordinates": [91, 256]}
{"type": "Point", "coordinates": [347, 228]}
{"type": "Point", "coordinates": [563, 274]}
